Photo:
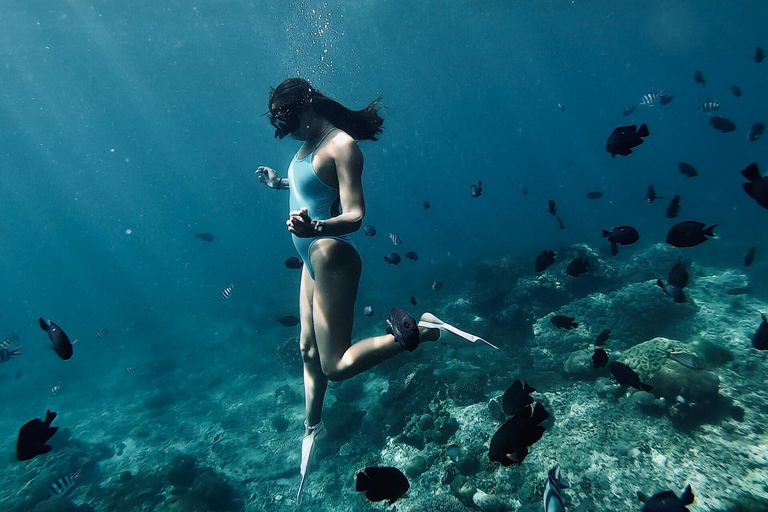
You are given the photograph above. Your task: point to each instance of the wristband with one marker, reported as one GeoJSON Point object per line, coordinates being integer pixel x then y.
{"type": "Point", "coordinates": [279, 182]}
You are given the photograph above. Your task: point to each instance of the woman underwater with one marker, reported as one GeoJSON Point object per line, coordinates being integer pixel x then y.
{"type": "Point", "coordinates": [327, 204]}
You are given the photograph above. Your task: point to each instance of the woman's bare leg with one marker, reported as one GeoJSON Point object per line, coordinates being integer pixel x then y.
{"type": "Point", "coordinates": [337, 268]}
{"type": "Point", "coordinates": [315, 382]}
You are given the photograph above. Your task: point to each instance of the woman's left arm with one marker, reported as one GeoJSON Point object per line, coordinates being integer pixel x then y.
{"type": "Point", "coordinates": [349, 170]}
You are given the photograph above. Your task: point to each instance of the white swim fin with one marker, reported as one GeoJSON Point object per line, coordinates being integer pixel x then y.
{"type": "Point", "coordinates": [307, 454]}
{"type": "Point", "coordinates": [430, 321]}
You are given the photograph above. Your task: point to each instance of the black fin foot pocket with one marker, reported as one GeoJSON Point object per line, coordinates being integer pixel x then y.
{"type": "Point", "coordinates": [404, 328]}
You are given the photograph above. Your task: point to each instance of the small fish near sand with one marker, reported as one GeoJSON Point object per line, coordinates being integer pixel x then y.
{"type": "Point", "coordinates": [594, 195]}
{"type": "Point", "coordinates": [552, 208]}
{"type": "Point", "coordinates": [382, 483]}
{"type": "Point", "coordinates": [760, 338]}
{"type": "Point", "coordinates": [33, 437]}
{"type": "Point", "coordinates": [759, 55]}
{"type": "Point", "coordinates": [369, 230]}
{"type": "Point", "coordinates": [690, 361]}
{"type": "Point", "coordinates": [544, 260]}
{"type": "Point", "coordinates": [624, 138]}
{"type": "Point", "coordinates": [755, 132]}
{"type": "Point", "coordinates": [757, 187]}
{"type": "Point", "coordinates": [626, 376]}
{"type": "Point", "coordinates": [628, 111]}
{"type": "Point", "coordinates": [65, 483]}
{"type": "Point", "coordinates": [650, 194]}
{"type": "Point", "coordinates": [676, 281]}
{"type": "Point", "coordinates": [510, 443]}
{"type": "Point", "coordinates": [651, 99]}
{"type": "Point", "coordinates": [578, 267]}
{"type": "Point", "coordinates": [603, 337]}
{"type": "Point", "coordinates": [667, 501]}
{"type": "Point", "coordinates": [427, 205]}
{"type": "Point", "coordinates": [227, 292]}
{"type": "Point", "coordinates": [61, 344]}
{"type": "Point", "coordinates": [396, 240]}
{"type": "Point", "coordinates": [563, 322]}
{"type": "Point", "coordinates": [736, 90]}
{"type": "Point", "coordinates": [687, 169]}
{"type": "Point", "coordinates": [412, 256]}
{"type": "Point", "coordinates": [205, 237]}
{"type": "Point", "coordinates": [517, 397]}
{"type": "Point", "coordinates": [710, 106]}
{"type": "Point", "coordinates": [698, 77]}
{"type": "Point", "coordinates": [689, 233]}
{"type": "Point", "coordinates": [6, 352]}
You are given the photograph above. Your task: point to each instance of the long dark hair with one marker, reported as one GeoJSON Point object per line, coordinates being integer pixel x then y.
{"type": "Point", "coordinates": [359, 124]}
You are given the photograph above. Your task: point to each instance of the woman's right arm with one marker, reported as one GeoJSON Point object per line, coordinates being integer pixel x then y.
{"type": "Point", "coordinates": [269, 177]}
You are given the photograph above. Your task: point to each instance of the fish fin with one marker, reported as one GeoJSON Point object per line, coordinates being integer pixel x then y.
{"type": "Point", "coordinates": [710, 231]}
{"type": "Point", "coordinates": [606, 233]}
{"type": "Point", "coordinates": [530, 389]}
{"type": "Point", "coordinates": [539, 413]}
{"type": "Point", "coordinates": [363, 482]}
{"type": "Point", "coordinates": [642, 497]}
{"type": "Point", "coordinates": [643, 131]}
{"type": "Point", "coordinates": [751, 172]}
{"type": "Point", "coordinates": [44, 449]}
{"type": "Point", "coordinates": [687, 497]}
{"type": "Point", "coordinates": [660, 283]}
{"type": "Point", "coordinates": [44, 325]}
{"type": "Point", "coordinates": [646, 387]}
{"type": "Point", "coordinates": [49, 417]}
{"type": "Point", "coordinates": [749, 189]}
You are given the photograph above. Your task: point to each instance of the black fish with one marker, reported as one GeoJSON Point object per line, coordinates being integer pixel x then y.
{"type": "Point", "coordinates": [698, 77]}
{"type": "Point", "coordinates": [602, 337]}
{"type": "Point", "coordinates": [206, 237]}
{"type": "Point", "coordinates": [626, 376]}
{"type": "Point", "coordinates": [666, 99]}
{"type": "Point", "coordinates": [369, 230]}
{"type": "Point", "coordinates": [510, 443]}
{"type": "Point", "coordinates": [393, 258]}
{"type": "Point", "coordinates": [560, 223]}
{"type": "Point", "coordinates": [687, 169]}
{"type": "Point", "coordinates": [517, 397]}
{"type": "Point", "coordinates": [33, 436]}
{"type": "Point", "coordinates": [689, 233]}
{"type": "Point", "coordinates": [61, 344]}
{"type": "Point", "coordinates": [624, 138]}
{"type": "Point", "coordinates": [760, 338]}
{"type": "Point", "coordinates": [476, 190]}
{"type": "Point", "coordinates": [385, 483]}
{"type": "Point", "coordinates": [577, 267]}
{"type": "Point", "coordinates": [552, 208]}
{"type": "Point", "coordinates": [759, 55]}
{"type": "Point", "coordinates": [525, 191]}
{"type": "Point", "coordinates": [412, 256]}
{"type": "Point", "coordinates": [629, 110]}
{"type": "Point", "coordinates": [594, 195]}
{"type": "Point", "coordinates": [413, 301]}
{"type": "Point", "coordinates": [676, 281]}
{"type": "Point", "coordinates": [614, 248]}
{"type": "Point", "coordinates": [757, 188]}
{"type": "Point", "coordinates": [736, 90]}
{"type": "Point", "coordinates": [667, 501]}
{"type": "Point", "coordinates": [563, 322]}
{"type": "Point", "coordinates": [624, 235]}
{"type": "Point", "coordinates": [544, 260]}
{"type": "Point", "coordinates": [289, 320]}
{"type": "Point", "coordinates": [294, 263]}
{"type": "Point", "coordinates": [599, 358]}
{"type": "Point", "coordinates": [673, 208]}
{"type": "Point", "coordinates": [755, 132]}
{"type": "Point", "coordinates": [722, 124]}
{"type": "Point", "coordinates": [650, 195]}
{"type": "Point", "coordinates": [749, 256]}
{"type": "Point", "coordinates": [427, 205]}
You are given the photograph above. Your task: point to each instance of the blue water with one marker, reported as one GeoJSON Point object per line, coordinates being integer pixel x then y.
{"type": "Point", "coordinates": [125, 128]}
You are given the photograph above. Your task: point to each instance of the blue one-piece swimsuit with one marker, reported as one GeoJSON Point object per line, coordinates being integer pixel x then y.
{"type": "Point", "coordinates": [320, 199]}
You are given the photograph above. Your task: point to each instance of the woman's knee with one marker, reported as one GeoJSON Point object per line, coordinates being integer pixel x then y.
{"type": "Point", "coordinates": [308, 349]}
{"type": "Point", "coordinates": [333, 371]}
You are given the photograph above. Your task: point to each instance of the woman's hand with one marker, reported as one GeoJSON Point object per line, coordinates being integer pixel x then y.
{"type": "Point", "coordinates": [300, 224]}
{"type": "Point", "coordinates": [268, 176]}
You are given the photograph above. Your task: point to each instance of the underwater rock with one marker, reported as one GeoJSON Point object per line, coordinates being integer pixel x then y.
{"type": "Point", "coordinates": [286, 397]}
{"type": "Point", "coordinates": [696, 386]}
{"type": "Point", "coordinates": [579, 364]}
{"type": "Point", "coordinates": [182, 471]}
{"type": "Point", "coordinates": [415, 466]}
{"type": "Point", "coordinates": [635, 313]}
{"type": "Point", "coordinates": [487, 502]}
{"type": "Point", "coordinates": [440, 503]}
{"type": "Point", "coordinates": [279, 422]}
{"type": "Point", "coordinates": [605, 387]}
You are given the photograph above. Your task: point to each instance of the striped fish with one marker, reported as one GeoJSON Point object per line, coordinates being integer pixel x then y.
{"type": "Point", "coordinates": [553, 500]}
{"type": "Point", "coordinates": [710, 106]}
{"type": "Point", "coordinates": [55, 390]}
{"type": "Point", "coordinates": [7, 353]}
{"type": "Point", "coordinates": [226, 292]}
{"type": "Point", "coordinates": [65, 483]}
{"type": "Point", "coordinates": [690, 361]}
{"type": "Point", "coordinates": [395, 239]}
{"type": "Point", "coordinates": [98, 334]}
{"type": "Point", "coordinates": [130, 369]}
{"type": "Point", "coordinates": [651, 99]}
